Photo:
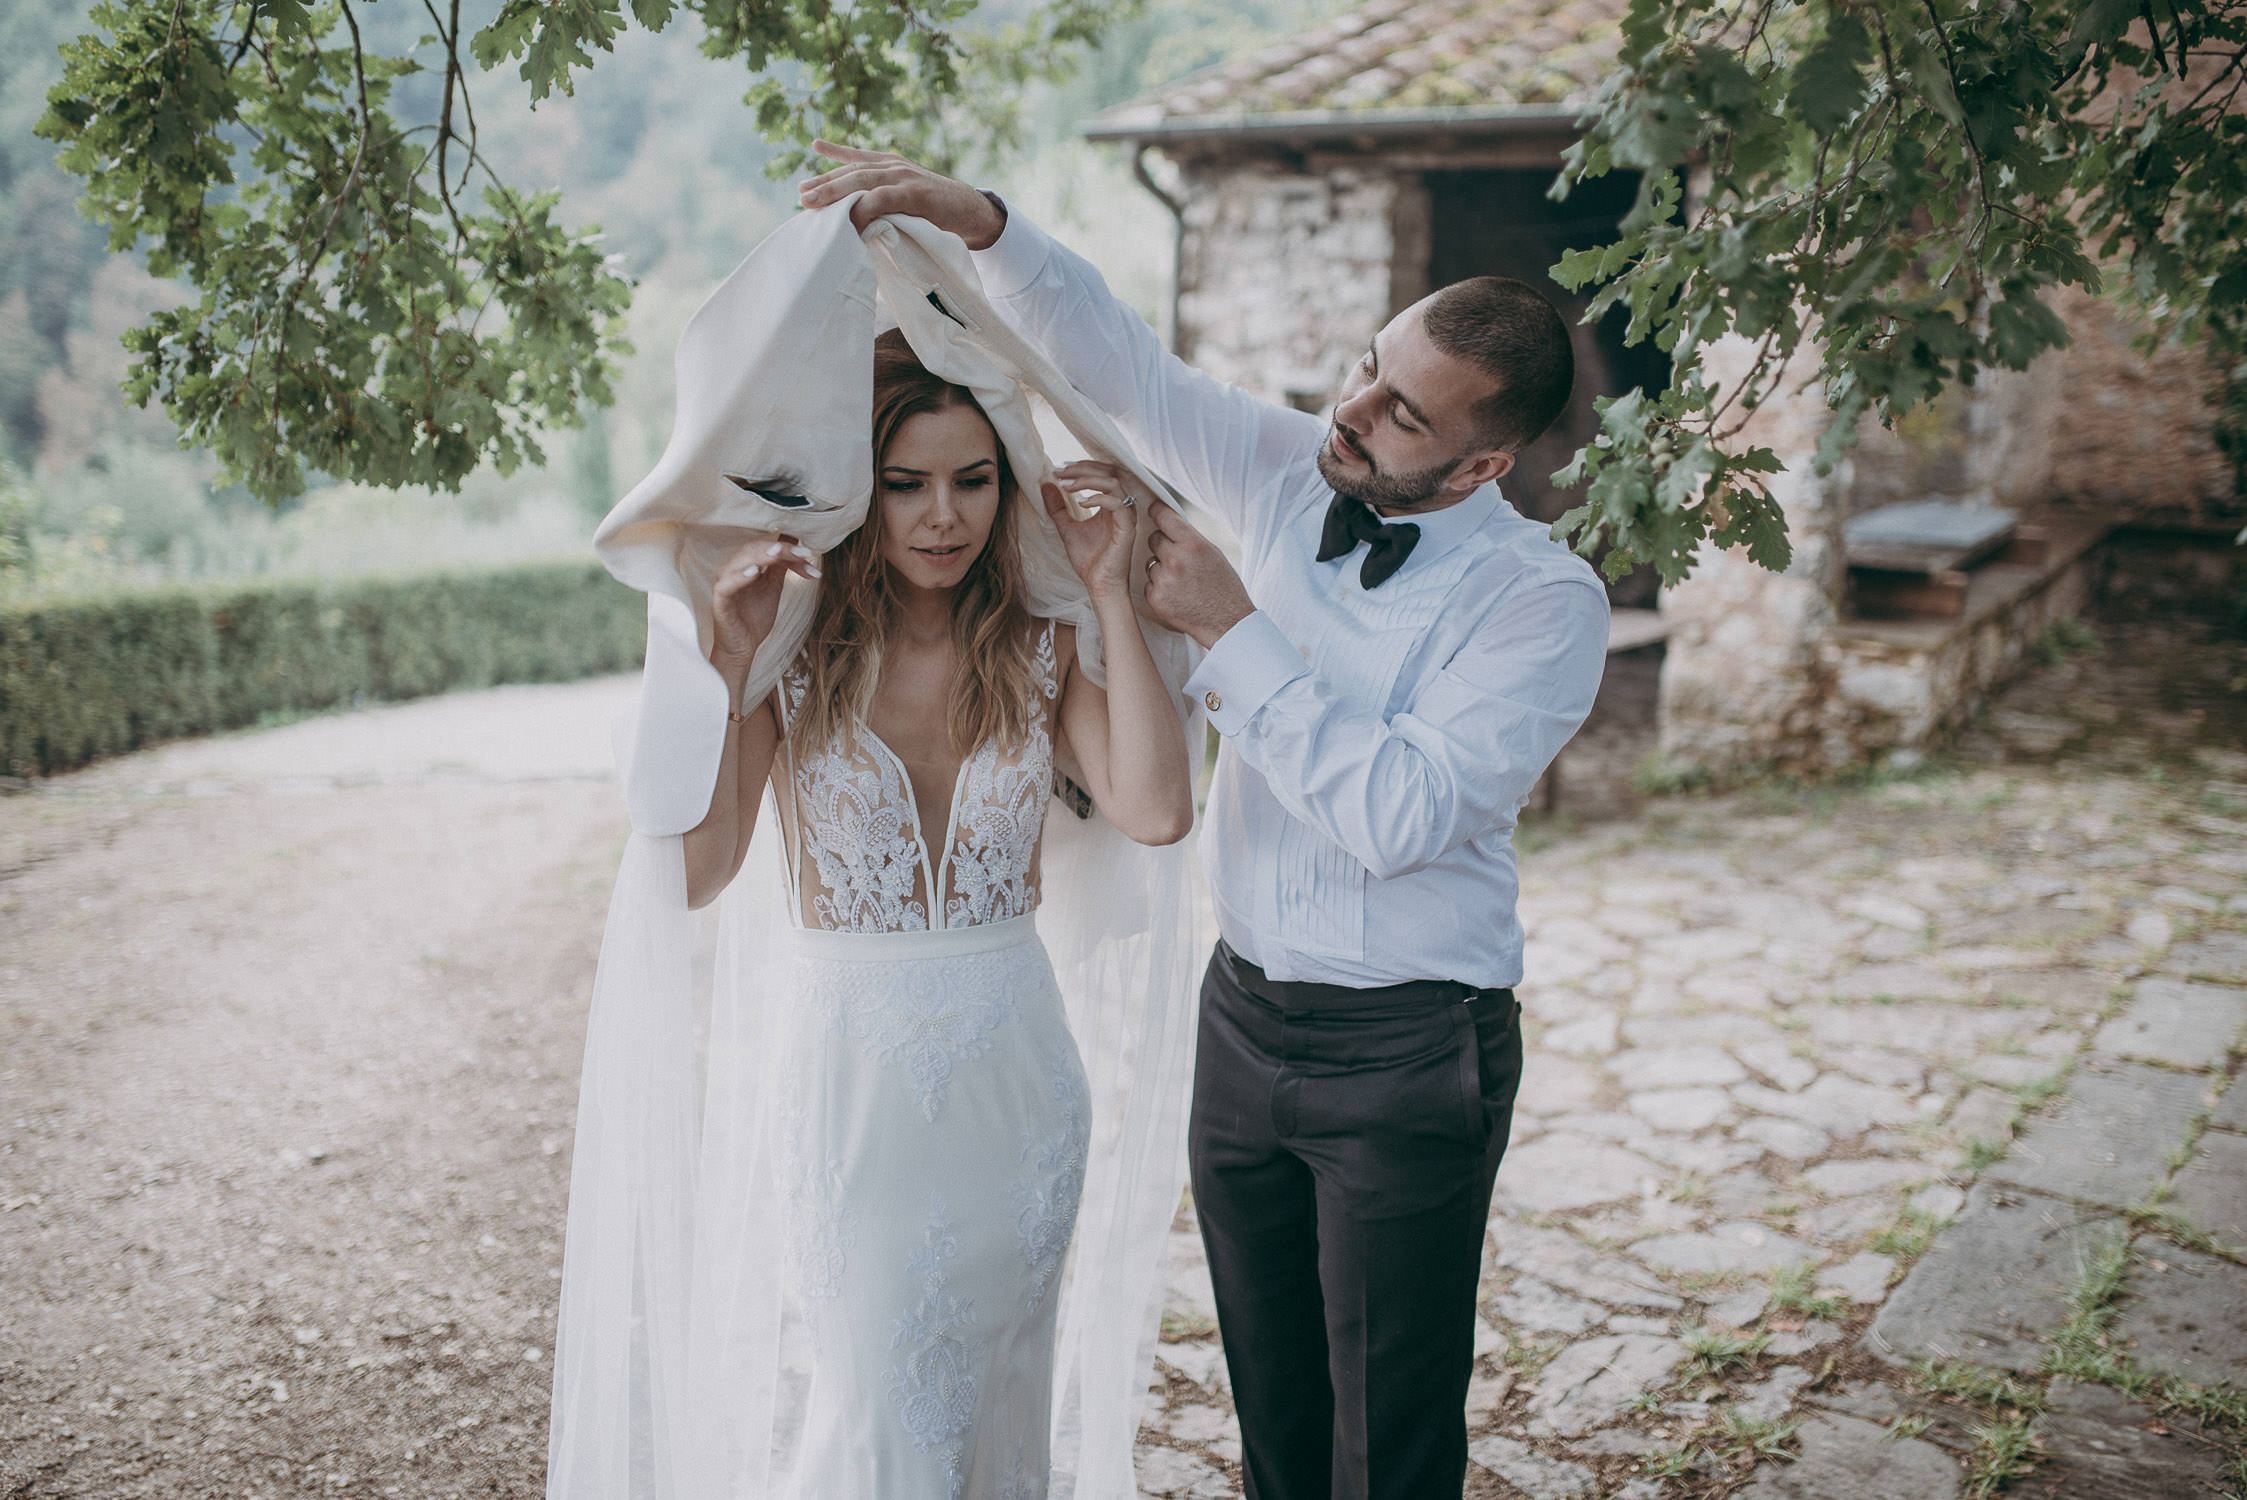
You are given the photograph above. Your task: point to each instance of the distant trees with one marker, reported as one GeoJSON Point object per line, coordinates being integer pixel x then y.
{"type": "Point", "coordinates": [48, 253]}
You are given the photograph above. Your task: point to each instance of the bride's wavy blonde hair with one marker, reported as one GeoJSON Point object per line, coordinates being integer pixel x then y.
{"type": "Point", "coordinates": [858, 599]}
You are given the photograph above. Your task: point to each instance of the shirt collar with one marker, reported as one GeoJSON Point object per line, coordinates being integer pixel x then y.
{"type": "Point", "coordinates": [1442, 530]}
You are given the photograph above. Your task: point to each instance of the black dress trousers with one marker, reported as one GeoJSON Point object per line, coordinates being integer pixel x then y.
{"type": "Point", "coordinates": [1343, 1147]}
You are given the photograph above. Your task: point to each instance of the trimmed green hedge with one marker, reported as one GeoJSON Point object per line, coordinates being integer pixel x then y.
{"type": "Point", "coordinates": [89, 678]}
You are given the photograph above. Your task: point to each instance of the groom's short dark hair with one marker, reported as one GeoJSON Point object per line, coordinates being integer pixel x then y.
{"type": "Point", "coordinates": [1509, 331]}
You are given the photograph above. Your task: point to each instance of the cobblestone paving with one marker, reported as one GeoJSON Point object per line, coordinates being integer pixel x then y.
{"type": "Point", "coordinates": [1780, 1039]}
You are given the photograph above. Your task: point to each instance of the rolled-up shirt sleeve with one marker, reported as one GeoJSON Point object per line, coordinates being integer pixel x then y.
{"type": "Point", "coordinates": [1400, 792]}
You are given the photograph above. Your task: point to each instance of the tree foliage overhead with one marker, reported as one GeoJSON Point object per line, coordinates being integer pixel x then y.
{"type": "Point", "coordinates": [374, 301]}
{"type": "Point", "coordinates": [1879, 194]}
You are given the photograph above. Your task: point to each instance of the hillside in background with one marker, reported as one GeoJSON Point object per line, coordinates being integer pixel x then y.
{"type": "Point", "coordinates": [655, 147]}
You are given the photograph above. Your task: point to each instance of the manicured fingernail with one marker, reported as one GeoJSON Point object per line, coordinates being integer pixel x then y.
{"type": "Point", "coordinates": [803, 552]}
{"type": "Point", "coordinates": [812, 573]}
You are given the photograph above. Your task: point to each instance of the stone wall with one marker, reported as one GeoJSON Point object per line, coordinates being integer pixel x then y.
{"type": "Point", "coordinates": [1285, 275]}
{"type": "Point", "coordinates": [1909, 685]}
{"type": "Point", "coordinates": [1766, 673]}
{"type": "Point", "coordinates": [2132, 431]}
{"type": "Point", "coordinates": [2100, 428]}
{"type": "Point", "coordinates": [1746, 682]}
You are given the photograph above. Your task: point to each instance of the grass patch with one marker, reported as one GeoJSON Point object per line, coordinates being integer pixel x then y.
{"type": "Point", "coordinates": [2099, 1288]}
{"type": "Point", "coordinates": [2085, 1349]}
{"type": "Point", "coordinates": [1780, 1212]}
{"type": "Point", "coordinates": [2067, 637]}
{"type": "Point", "coordinates": [1727, 1445]}
{"type": "Point", "coordinates": [2220, 1406]}
{"type": "Point", "coordinates": [1901, 1429]}
{"type": "Point", "coordinates": [2034, 1096]}
{"type": "Point", "coordinates": [1714, 1350]}
{"type": "Point", "coordinates": [1791, 1292]}
{"type": "Point", "coordinates": [1528, 1357]}
{"type": "Point", "coordinates": [1977, 1384]}
{"type": "Point", "coordinates": [1538, 832]}
{"type": "Point", "coordinates": [1742, 1436]}
{"type": "Point", "coordinates": [2004, 1450]}
{"type": "Point", "coordinates": [2181, 1153]}
{"type": "Point", "coordinates": [1178, 1326]}
{"type": "Point", "coordinates": [1909, 1235]}
{"type": "Point", "coordinates": [1979, 1155]}
{"type": "Point", "coordinates": [1657, 776]}
{"type": "Point", "coordinates": [2083, 1346]}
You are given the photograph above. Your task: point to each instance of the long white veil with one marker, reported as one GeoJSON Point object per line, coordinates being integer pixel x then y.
{"type": "Point", "coordinates": [674, 1371]}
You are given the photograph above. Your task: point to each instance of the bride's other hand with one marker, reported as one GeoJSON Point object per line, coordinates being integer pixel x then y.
{"type": "Point", "coordinates": [1099, 547]}
{"type": "Point", "coordinates": [746, 598]}
{"type": "Point", "coordinates": [744, 603]}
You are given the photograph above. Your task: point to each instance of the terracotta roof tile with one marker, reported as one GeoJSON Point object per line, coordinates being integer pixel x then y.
{"type": "Point", "coordinates": [1405, 54]}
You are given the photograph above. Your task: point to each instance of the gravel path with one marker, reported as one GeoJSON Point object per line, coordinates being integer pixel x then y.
{"type": "Point", "coordinates": [292, 1028]}
{"type": "Point", "coordinates": [292, 1024]}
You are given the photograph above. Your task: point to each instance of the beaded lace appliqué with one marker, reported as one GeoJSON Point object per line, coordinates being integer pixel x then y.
{"type": "Point", "coordinates": [858, 830]}
{"type": "Point", "coordinates": [927, 1026]}
{"type": "Point", "coordinates": [821, 1225]}
{"type": "Point", "coordinates": [858, 825]}
{"type": "Point", "coordinates": [934, 1388]}
{"type": "Point", "coordinates": [1001, 809]}
{"type": "Point", "coordinates": [1045, 1208]}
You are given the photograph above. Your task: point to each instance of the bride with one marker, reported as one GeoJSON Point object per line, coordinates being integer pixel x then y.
{"type": "Point", "coordinates": [934, 1119]}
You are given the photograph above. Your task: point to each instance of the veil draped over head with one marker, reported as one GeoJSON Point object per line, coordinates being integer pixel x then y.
{"type": "Point", "coordinates": [676, 1373]}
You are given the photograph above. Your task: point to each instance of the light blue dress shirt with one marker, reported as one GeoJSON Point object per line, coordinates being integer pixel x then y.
{"type": "Point", "coordinates": [1378, 743]}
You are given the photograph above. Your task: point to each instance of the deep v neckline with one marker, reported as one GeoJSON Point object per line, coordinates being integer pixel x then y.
{"type": "Point", "coordinates": [857, 815]}
{"type": "Point", "coordinates": [930, 864]}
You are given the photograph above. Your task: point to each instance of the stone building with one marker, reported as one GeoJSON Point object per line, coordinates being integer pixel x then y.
{"type": "Point", "coordinates": [1324, 183]}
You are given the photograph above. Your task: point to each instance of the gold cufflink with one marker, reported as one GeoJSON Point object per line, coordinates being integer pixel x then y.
{"type": "Point", "coordinates": [1212, 702]}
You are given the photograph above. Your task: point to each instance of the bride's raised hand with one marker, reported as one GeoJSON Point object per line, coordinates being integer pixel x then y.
{"type": "Point", "coordinates": [746, 598]}
{"type": "Point", "coordinates": [1099, 547]}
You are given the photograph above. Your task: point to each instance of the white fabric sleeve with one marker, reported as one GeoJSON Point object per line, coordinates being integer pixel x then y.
{"type": "Point", "coordinates": [1227, 450]}
{"type": "Point", "coordinates": [1399, 793]}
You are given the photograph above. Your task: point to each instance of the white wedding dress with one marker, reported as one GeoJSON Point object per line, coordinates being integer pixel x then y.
{"type": "Point", "coordinates": [826, 1229]}
{"type": "Point", "coordinates": [933, 1118]}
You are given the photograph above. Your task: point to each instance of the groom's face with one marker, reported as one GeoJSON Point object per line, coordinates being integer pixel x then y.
{"type": "Point", "coordinates": [1405, 434]}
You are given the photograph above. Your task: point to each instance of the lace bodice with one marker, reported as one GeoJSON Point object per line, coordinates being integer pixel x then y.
{"type": "Point", "coordinates": [860, 858]}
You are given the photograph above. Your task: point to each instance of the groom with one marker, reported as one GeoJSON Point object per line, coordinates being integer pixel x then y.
{"type": "Point", "coordinates": [1407, 656]}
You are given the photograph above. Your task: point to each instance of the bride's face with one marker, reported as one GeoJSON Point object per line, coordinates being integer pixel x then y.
{"type": "Point", "coordinates": [939, 494]}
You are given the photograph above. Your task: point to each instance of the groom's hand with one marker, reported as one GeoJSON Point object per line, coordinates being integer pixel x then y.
{"type": "Point", "coordinates": [893, 185]}
{"type": "Point", "coordinates": [1190, 586]}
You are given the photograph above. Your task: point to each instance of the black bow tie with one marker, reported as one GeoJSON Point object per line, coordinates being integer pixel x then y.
{"type": "Point", "coordinates": [1349, 522]}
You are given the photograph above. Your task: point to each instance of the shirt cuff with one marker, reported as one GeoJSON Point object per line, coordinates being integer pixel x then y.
{"type": "Point", "coordinates": [1015, 259]}
{"type": "Point", "coordinates": [1249, 663]}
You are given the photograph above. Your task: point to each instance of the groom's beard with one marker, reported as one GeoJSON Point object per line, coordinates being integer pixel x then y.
{"type": "Point", "coordinates": [1401, 491]}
